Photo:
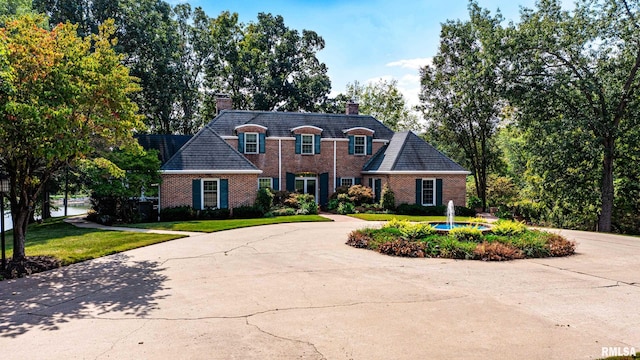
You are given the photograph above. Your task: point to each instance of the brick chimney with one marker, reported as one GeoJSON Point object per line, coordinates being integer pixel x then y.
{"type": "Point", "coordinates": [223, 102]}
{"type": "Point", "coordinates": [352, 108]}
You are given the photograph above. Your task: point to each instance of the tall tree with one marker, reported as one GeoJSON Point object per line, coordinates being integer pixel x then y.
{"type": "Point", "coordinates": [575, 87]}
{"type": "Point", "coordinates": [63, 98]}
{"type": "Point", "coordinates": [384, 101]}
{"type": "Point", "coordinates": [266, 65]}
{"type": "Point", "coordinates": [460, 93]}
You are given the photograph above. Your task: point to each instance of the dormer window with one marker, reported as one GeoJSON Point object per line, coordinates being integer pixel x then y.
{"type": "Point", "coordinates": [307, 144]}
{"type": "Point", "coordinates": [359, 145]}
{"type": "Point", "coordinates": [251, 143]}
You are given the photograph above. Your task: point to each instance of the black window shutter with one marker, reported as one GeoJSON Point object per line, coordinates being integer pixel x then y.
{"type": "Point", "coordinates": [324, 189]}
{"type": "Point", "coordinates": [196, 194]}
{"type": "Point", "coordinates": [262, 142]}
{"type": "Point", "coordinates": [241, 142]}
{"type": "Point", "coordinates": [352, 144]}
{"type": "Point", "coordinates": [419, 191]}
{"type": "Point", "coordinates": [317, 140]}
{"type": "Point", "coordinates": [438, 191]}
{"type": "Point", "coordinates": [224, 193]}
{"type": "Point", "coordinates": [291, 182]}
{"type": "Point", "coordinates": [298, 143]}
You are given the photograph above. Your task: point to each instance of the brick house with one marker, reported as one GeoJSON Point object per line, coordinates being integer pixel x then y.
{"type": "Point", "coordinates": [238, 152]}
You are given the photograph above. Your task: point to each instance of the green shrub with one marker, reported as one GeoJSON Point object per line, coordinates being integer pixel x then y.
{"type": "Point", "coordinates": [474, 202]}
{"type": "Point", "coordinates": [287, 211]}
{"type": "Point", "coordinates": [279, 198]}
{"type": "Point", "coordinates": [469, 234]}
{"type": "Point", "coordinates": [247, 212]}
{"type": "Point", "coordinates": [454, 249]}
{"type": "Point", "coordinates": [177, 213]}
{"type": "Point", "coordinates": [387, 198]}
{"type": "Point", "coordinates": [346, 208]}
{"type": "Point", "coordinates": [464, 211]}
{"type": "Point", "coordinates": [508, 228]}
{"type": "Point", "coordinates": [213, 214]}
{"type": "Point", "coordinates": [308, 207]}
{"type": "Point", "coordinates": [264, 200]}
{"type": "Point", "coordinates": [419, 210]}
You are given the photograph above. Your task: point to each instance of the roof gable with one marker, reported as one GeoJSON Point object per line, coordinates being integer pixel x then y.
{"type": "Point", "coordinates": [207, 151]}
{"type": "Point", "coordinates": [166, 145]}
{"type": "Point", "coordinates": [406, 152]}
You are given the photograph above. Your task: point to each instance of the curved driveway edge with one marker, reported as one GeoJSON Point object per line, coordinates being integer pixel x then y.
{"type": "Point", "coordinates": [295, 291]}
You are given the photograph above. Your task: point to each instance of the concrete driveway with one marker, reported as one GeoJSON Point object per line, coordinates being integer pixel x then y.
{"type": "Point", "coordinates": [295, 291]}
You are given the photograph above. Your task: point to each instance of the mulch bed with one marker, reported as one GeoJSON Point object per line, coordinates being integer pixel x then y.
{"type": "Point", "coordinates": [28, 266]}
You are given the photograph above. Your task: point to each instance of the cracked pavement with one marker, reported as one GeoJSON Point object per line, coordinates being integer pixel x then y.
{"type": "Point", "coordinates": [295, 291]}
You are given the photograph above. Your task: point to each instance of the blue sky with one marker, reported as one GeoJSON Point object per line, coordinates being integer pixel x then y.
{"type": "Point", "coordinates": [366, 40]}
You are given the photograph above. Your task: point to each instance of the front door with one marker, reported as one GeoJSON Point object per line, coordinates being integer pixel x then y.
{"type": "Point", "coordinates": [307, 185]}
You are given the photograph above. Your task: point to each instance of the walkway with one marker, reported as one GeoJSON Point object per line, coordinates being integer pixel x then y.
{"type": "Point", "coordinates": [81, 222]}
{"type": "Point", "coordinates": [295, 291]}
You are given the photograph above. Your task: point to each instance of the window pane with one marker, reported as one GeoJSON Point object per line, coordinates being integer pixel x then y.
{"type": "Point", "coordinates": [264, 183]}
{"type": "Point", "coordinates": [300, 186]}
{"type": "Point", "coordinates": [346, 182]}
{"type": "Point", "coordinates": [307, 144]}
{"type": "Point", "coordinates": [250, 143]}
{"type": "Point", "coordinates": [428, 192]}
{"type": "Point", "coordinates": [210, 194]}
{"type": "Point", "coordinates": [359, 145]}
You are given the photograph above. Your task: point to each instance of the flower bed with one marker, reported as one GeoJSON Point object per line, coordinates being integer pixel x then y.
{"type": "Point", "coordinates": [507, 240]}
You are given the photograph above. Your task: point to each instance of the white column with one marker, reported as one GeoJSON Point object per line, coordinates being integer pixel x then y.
{"type": "Point", "coordinates": [280, 164]}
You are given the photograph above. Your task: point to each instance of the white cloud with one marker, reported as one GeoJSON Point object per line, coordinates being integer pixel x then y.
{"type": "Point", "coordinates": [414, 64]}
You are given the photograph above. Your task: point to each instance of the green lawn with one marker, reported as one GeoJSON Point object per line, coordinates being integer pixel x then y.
{"type": "Point", "coordinates": [209, 226]}
{"type": "Point", "coordinates": [70, 244]}
{"type": "Point", "coordinates": [387, 217]}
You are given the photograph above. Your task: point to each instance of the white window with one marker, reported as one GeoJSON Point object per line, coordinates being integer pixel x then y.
{"type": "Point", "coordinates": [210, 198]}
{"type": "Point", "coordinates": [428, 192]}
{"type": "Point", "coordinates": [346, 181]}
{"type": "Point", "coordinates": [250, 143]}
{"type": "Point", "coordinates": [265, 183]}
{"type": "Point", "coordinates": [307, 144]}
{"type": "Point", "coordinates": [360, 145]}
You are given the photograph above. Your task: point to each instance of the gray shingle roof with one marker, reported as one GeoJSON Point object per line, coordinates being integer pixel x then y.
{"type": "Point", "coordinates": [279, 124]}
{"type": "Point", "coordinates": [407, 152]}
{"type": "Point", "coordinates": [167, 145]}
{"type": "Point", "coordinates": [208, 151]}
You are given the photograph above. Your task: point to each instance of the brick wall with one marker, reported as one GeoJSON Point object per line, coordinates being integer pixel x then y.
{"type": "Point", "coordinates": [176, 190]}
{"type": "Point", "coordinates": [404, 187]}
{"type": "Point", "coordinates": [346, 165]}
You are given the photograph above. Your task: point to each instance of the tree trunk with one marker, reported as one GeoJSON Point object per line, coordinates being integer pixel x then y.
{"type": "Point", "coordinates": [20, 222]}
{"type": "Point", "coordinates": [606, 213]}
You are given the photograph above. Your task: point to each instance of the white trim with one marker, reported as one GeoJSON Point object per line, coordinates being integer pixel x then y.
{"type": "Point", "coordinates": [246, 125]}
{"type": "Point", "coordinates": [384, 141]}
{"type": "Point", "coordinates": [417, 172]}
{"type": "Point", "coordinates": [305, 127]}
{"type": "Point", "coordinates": [281, 138]}
{"type": "Point", "coordinates": [217, 180]}
{"type": "Point", "coordinates": [435, 190]}
{"type": "Point", "coordinates": [209, 172]}
{"type": "Point", "coordinates": [359, 128]}
{"type": "Point", "coordinates": [227, 137]}
{"type": "Point", "coordinates": [335, 161]}
{"type": "Point", "coordinates": [334, 139]}
{"type": "Point", "coordinates": [280, 164]}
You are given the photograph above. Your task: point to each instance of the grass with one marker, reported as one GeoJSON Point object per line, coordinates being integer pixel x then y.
{"type": "Point", "coordinates": [70, 244]}
{"type": "Point", "coordinates": [209, 226]}
{"type": "Point", "coordinates": [387, 217]}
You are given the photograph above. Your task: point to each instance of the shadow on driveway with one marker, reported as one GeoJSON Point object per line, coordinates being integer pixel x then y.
{"type": "Point", "coordinates": [115, 286]}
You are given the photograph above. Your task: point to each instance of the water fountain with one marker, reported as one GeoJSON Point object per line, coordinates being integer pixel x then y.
{"type": "Point", "coordinates": [451, 224]}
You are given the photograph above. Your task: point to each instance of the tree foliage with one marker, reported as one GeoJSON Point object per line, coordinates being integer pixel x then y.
{"type": "Point", "coordinates": [460, 93]}
{"type": "Point", "coordinates": [575, 85]}
{"type": "Point", "coordinates": [63, 98]}
{"type": "Point", "coordinates": [384, 101]}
